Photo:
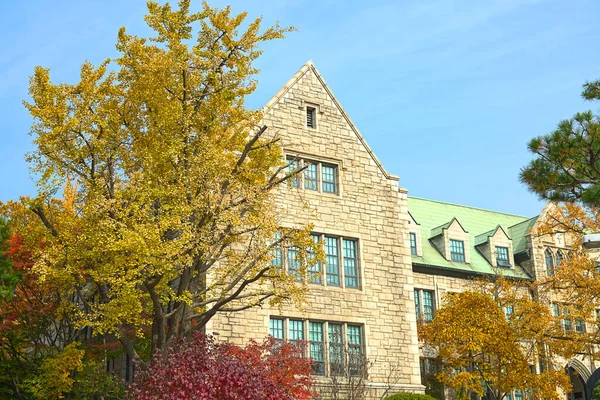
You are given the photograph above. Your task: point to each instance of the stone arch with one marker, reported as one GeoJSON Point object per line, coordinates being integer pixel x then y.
{"type": "Point", "coordinates": [581, 369]}
{"type": "Point", "coordinates": [580, 376]}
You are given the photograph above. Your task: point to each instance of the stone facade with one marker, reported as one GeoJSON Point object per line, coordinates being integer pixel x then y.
{"type": "Point", "coordinates": [367, 207]}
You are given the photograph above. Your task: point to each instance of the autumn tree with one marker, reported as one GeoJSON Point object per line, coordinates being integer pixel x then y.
{"type": "Point", "coordinates": [566, 166]}
{"type": "Point", "coordinates": [168, 216]}
{"type": "Point", "coordinates": [206, 369]}
{"type": "Point", "coordinates": [481, 351]}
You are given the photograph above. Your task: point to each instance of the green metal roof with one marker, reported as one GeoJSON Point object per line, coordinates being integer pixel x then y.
{"type": "Point", "coordinates": [518, 233]}
{"type": "Point", "coordinates": [431, 215]}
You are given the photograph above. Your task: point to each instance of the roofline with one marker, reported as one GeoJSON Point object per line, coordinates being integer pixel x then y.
{"type": "Point", "coordinates": [475, 208]}
{"type": "Point", "coordinates": [309, 66]}
{"type": "Point", "coordinates": [452, 272]}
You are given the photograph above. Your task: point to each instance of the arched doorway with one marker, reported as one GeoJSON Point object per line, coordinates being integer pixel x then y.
{"type": "Point", "coordinates": [579, 391]}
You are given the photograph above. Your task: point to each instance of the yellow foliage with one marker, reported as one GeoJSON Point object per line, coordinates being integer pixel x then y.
{"type": "Point", "coordinates": [57, 371]}
{"type": "Point", "coordinates": [167, 215]}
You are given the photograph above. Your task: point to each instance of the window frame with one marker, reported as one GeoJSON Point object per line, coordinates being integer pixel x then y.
{"type": "Point", "coordinates": [422, 316]}
{"type": "Point", "coordinates": [549, 262]}
{"type": "Point", "coordinates": [327, 344]}
{"type": "Point", "coordinates": [504, 251]}
{"type": "Point", "coordinates": [460, 256]}
{"type": "Point", "coordinates": [319, 182]}
{"type": "Point", "coordinates": [313, 111]}
{"type": "Point", "coordinates": [412, 240]}
{"type": "Point", "coordinates": [320, 270]}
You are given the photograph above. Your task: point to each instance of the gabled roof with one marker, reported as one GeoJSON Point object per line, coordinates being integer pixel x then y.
{"type": "Point", "coordinates": [433, 214]}
{"type": "Point", "coordinates": [439, 229]}
{"type": "Point", "coordinates": [484, 237]}
{"type": "Point", "coordinates": [309, 67]}
{"type": "Point", "coordinates": [519, 233]}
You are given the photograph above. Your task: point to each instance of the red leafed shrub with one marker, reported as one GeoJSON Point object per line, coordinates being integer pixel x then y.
{"type": "Point", "coordinates": [208, 370]}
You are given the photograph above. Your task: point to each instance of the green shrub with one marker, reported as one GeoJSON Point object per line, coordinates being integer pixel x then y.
{"type": "Point", "coordinates": [409, 396]}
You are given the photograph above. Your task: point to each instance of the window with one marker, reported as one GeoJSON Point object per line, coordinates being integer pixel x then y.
{"type": "Point", "coordinates": [329, 173]}
{"type": "Point", "coordinates": [296, 331]}
{"type": "Point", "coordinates": [314, 272]}
{"type": "Point", "coordinates": [508, 311]}
{"type": "Point", "coordinates": [335, 347]}
{"type": "Point", "coordinates": [310, 177]}
{"type": "Point", "coordinates": [549, 262]}
{"type": "Point", "coordinates": [350, 263]}
{"type": "Point", "coordinates": [276, 328]}
{"type": "Point", "coordinates": [339, 251]}
{"type": "Point", "coordinates": [567, 321]}
{"type": "Point", "coordinates": [332, 264]}
{"type": "Point", "coordinates": [317, 347]}
{"type": "Point", "coordinates": [311, 117]}
{"type": "Point", "coordinates": [518, 395]}
{"type": "Point", "coordinates": [502, 259]}
{"type": "Point", "coordinates": [413, 243]}
{"type": "Point", "coordinates": [293, 263]}
{"type": "Point", "coordinates": [355, 361]}
{"type": "Point", "coordinates": [424, 305]}
{"type": "Point", "coordinates": [316, 176]}
{"type": "Point", "coordinates": [293, 165]}
{"type": "Point", "coordinates": [428, 368]}
{"type": "Point", "coordinates": [457, 250]}
{"type": "Point", "coordinates": [559, 258]}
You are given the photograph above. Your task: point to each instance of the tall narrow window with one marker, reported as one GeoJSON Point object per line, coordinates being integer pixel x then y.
{"type": "Point", "coordinates": [418, 304]}
{"type": "Point", "coordinates": [579, 326]}
{"type": "Point", "coordinates": [518, 395]}
{"type": "Point", "coordinates": [296, 331]}
{"type": "Point", "coordinates": [293, 263]}
{"type": "Point", "coordinates": [311, 117]}
{"type": "Point", "coordinates": [413, 243]}
{"type": "Point", "coordinates": [502, 259]}
{"type": "Point", "coordinates": [293, 165]}
{"type": "Point", "coordinates": [508, 311]}
{"type": "Point", "coordinates": [310, 177]}
{"type": "Point", "coordinates": [549, 262]}
{"type": "Point", "coordinates": [332, 261]}
{"type": "Point", "coordinates": [328, 178]}
{"type": "Point", "coordinates": [314, 272]}
{"type": "Point", "coordinates": [457, 250]}
{"type": "Point", "coordinates": [355, 361]}
{"type": "Point", "coordinates": [277, 260]}
{"type": "Point", "coordinates": [276, 328]}
{"type": "Point", "coordinates": [317, 347]}
{"type": "Point", "coordinates": [350, 264]}
{"type": "Point", "coordinates": [559, 258]}
{"type": "Point", "coordinates": [424, 305]}
{"type": "Point", "coordinates": [428, 305]}
{"type": "Point", "coordinates": [567, 323]}
{"type": "Point", "coordinates": [336, 349]}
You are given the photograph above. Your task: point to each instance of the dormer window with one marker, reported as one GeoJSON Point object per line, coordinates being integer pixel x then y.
{"type": "Point", "coordinates": [311, 117]}
{"type": "Point", "coordinates": [457, 250]}
{"type": "Point", "coordinates": [502, 259]}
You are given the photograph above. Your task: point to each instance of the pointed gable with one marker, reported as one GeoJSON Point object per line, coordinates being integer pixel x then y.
{"type": "Point", "coordinates": [320, 95]}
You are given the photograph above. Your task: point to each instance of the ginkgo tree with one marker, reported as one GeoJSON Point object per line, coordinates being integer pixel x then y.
{"type": "Point", "coordinates": [489, 339]}
{"type": "Point", "coordinates": [166, 215]}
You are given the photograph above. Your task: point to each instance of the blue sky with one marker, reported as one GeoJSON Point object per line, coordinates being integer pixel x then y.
{"type": "Point", "coordinates": [447, 93]}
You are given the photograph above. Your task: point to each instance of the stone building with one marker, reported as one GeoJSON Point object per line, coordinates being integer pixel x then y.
{"type": "Point", "coordinates": [390, 258]}
{"type": "Point", "coordinates": [364, 296]}
{"type": "Point", "coordinates": [452, 244]}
